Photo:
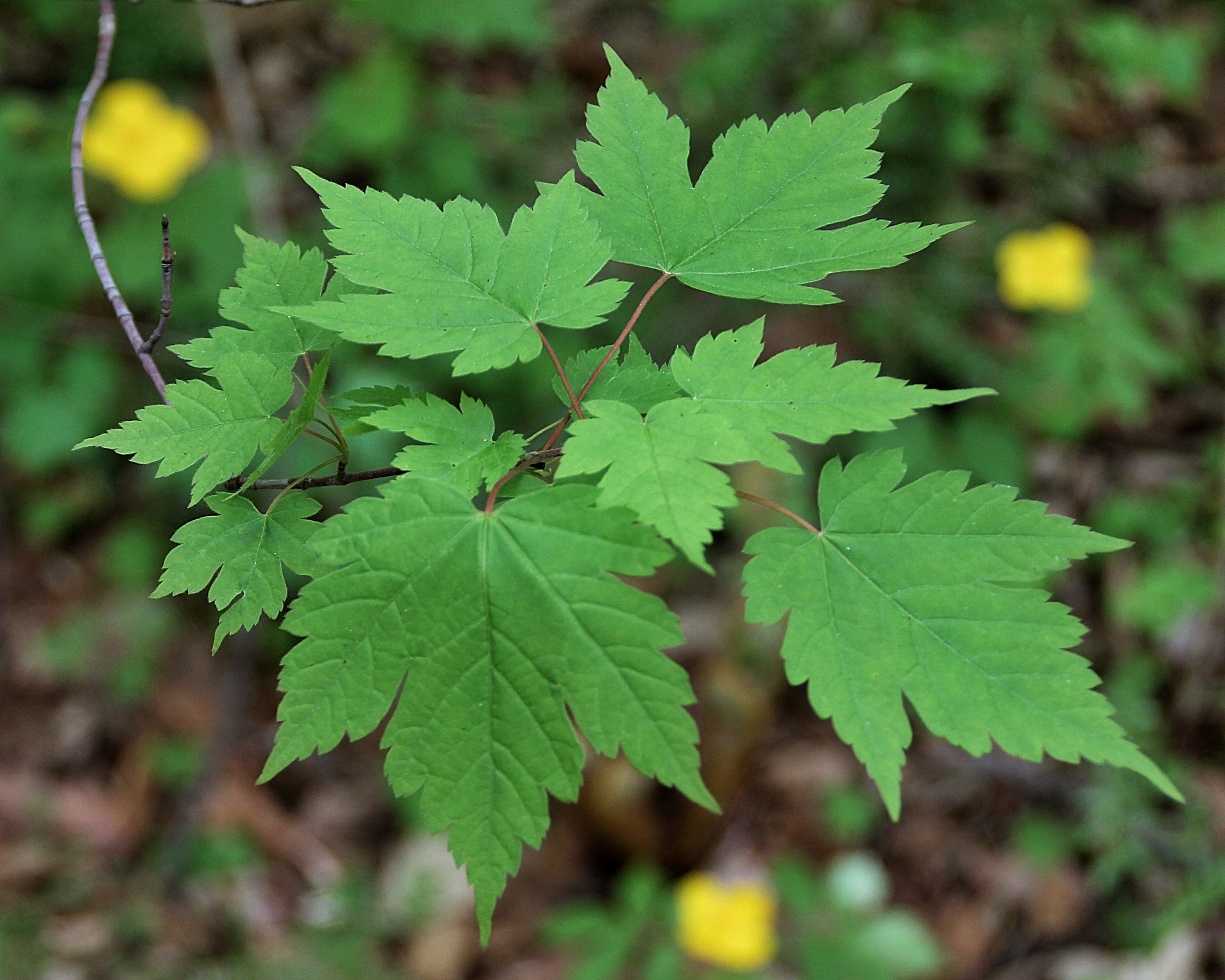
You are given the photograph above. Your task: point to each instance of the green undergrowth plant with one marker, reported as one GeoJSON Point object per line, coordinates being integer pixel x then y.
{"type": "Point", "coordinates": [476, 603]}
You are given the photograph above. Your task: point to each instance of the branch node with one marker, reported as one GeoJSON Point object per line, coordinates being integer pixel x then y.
{"type": "Point", "coordinates": [167, 272]}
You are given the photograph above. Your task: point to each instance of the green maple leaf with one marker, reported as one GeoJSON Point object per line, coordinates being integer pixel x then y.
{"type": "Point", "coordinates": [661, 466]}
{"type": "Point", "coordinates": [220, 428]}
{"type": "Point", "coordinates": [362, 401]}
{"type": "Point", "coordinates": [272, 276]}
{"type": "Point", "coordinates": [634, 378]}
{"type": "Point", "coordinates": [462, 450]}
{"type": "Point", "coordinates": [453, 281]}
{"type": "Point", "coordinates": [241, 553]}
{"type": "Point", "coordinates": [756, 225]}
{"type": "Point", "coordinates": [921, 592]}
{"type": "Point", "coordinates": [491, 626]}
{"type": "Point", "coordinates": [799, 392]}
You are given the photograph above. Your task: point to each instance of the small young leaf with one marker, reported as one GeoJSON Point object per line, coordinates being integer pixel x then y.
{"type": "Point", "coordinates": [634, 378]}
{"type": "Point", "coordinates": [916, 592]}
{"type": "Point", "coordinates": [453, 281]}
{"type": "Point", "coordinates": [462, 450]}
{"type": "Point", "coordinates": [272, 276]}
{"type": "Point", "coordinates": [362, 401]}
{"type": "Point", "coordinates": [659, 467]}
{"type": "Point", "coordinates": [302, 416]}
{"type": "Point", "coordinates": [515, 617]}
{"type": "Point", "coordinates": [756, 224]}
{"type": "Point", "coordinates": [241, 552]}
{"type": "Point", "coordinates": [220, 428]}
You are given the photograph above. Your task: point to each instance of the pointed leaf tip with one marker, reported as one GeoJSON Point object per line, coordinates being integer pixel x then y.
{"type": "Point", "coordinates": [614, 60]}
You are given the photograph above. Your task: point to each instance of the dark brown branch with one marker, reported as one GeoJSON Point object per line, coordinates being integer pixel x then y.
{"type": "Point", "coordinates": [167, 272]}
{"type": "Point", "coordinates": [341, 479]}
{"type": "Point", "coordinates": [106, 41]}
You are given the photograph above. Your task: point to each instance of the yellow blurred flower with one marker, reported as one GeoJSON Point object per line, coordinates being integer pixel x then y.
{"type": "Point", "coordinates": [731, 926]}
{"type": "Point", "coordinates": [141, 143]}
{"type": "Point", "coordinates": [1045, 269]}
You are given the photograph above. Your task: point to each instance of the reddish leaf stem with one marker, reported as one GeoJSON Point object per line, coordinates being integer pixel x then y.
{"type": "Point", "coordinates": [331, 424]}
{"type": "Point", "coordinates": [323, 438]}
{"type": "Point", "coordinates": [102, 61]}
{"type": "Point", "coordinates": [642, 305]}
{"type": "Point", "coordinates": [514, 471]}
{"type": "Point", "coordinates": [576, 402]}
{"type": "Point", "coordinates": [778, 509]}
{"type": "Point", "coordinates": [561, 372]}
{"type": "Point", "coordinates": [633, 320]}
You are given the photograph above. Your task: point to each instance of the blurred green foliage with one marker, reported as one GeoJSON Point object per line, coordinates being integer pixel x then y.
{"type": "Point", "coordinates": [832, 923]}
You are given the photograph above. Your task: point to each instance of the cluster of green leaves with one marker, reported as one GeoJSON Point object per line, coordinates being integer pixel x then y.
{"type": "Point", "coordinates": [488, 635]}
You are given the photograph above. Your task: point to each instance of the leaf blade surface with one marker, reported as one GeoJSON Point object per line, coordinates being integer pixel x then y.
{"type": "Point", "coordinates": [453, 282]}
{"type": "Point", "coordinates": [493, 624]}
{"type": "Point", "coordinates": [757, 225]}
{"type": "Point", "coordinates": [915, 593]}
{"type": "Point", "coordinates": [238, 555]}
{"type": "Point", "coordinates": [220, 428]}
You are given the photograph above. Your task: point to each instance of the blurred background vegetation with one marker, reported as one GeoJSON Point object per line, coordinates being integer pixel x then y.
{"type": "Point", "coordinates": [133, 842]}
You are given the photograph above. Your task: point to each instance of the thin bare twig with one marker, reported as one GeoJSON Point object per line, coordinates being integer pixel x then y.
{"type": "Point", "coordinates": [167, 272]}
{"type": "Point", "coordinates": [102, 61]}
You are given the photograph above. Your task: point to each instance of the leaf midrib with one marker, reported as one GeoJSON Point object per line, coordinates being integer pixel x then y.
{"type": "Point", "coordinates": [459, 276]}
{"type": "Point", "coordinates": [566, 608]}
{"type": "Point", "coordinates": [994, 681]}
{"type": "Point", "coordinates": [745, 217]}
